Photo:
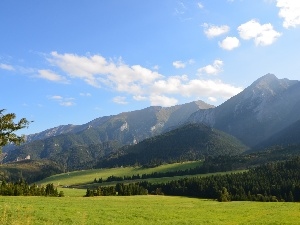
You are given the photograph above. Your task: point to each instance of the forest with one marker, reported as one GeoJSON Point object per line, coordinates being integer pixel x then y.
{"type": "Point", "coordinates": [276, 181]}
{"type": "Point", "coordinates": [22, 188]}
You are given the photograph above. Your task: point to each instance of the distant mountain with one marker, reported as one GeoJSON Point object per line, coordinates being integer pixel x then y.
{"type": "Point", "coordinates": [139, 124]}
{"type": "Point", "coordinates": [285, 137]}
{"type": "Point", "coordinates": [265, 108]}
{"type": "Point", "coordinates": [71, 144]}
{"type": "Point", "coordinates": [188, 142]}
{"type": "Point", "coordinates": [262, 109]}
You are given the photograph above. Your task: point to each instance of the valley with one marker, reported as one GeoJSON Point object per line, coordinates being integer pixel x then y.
{"type": "Point", "coordinates": [244, 152]}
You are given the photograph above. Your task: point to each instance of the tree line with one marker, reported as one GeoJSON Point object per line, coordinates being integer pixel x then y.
{"type": "Point", "coordinates": [277, 181]}
{"type": "Point", "coordinates": [119, 189]}
{"type": "Point", "coordinates": [22, 188]}
{"type": "Point", "coordinates": [210, 165]}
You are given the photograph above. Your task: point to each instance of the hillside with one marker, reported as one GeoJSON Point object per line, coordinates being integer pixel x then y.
{"type": "Point", "coordinates": [256, 117]}
{"type": "Point", "coordinates": [285, 137]}
{"type": "Point", "coordinates": [188, 142]}
{"type": "Point", "coordinates": [139, 124]}
{"type": "Point", "coordinates": [261, 110]}
{"type": "Point", "coordinates": [106, 133]}
{"type": "Point", "coordinates": [29, 169]}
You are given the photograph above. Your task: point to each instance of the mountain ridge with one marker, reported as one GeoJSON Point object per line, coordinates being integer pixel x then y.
{"type": "Point", "coordinates": [260, 110]}
{"type": "Point", "coordinates": [264, 108]}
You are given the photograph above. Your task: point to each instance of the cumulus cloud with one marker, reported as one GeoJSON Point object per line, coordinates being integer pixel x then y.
{"type": "Point", "coordinates": [262, 34]}
{"type": "Point", "coordinates": [213, 69]}
{"type": "Point", "coordinates": [162, 100]}
{"type": "Point", "coordinates": [56, 97]}
{"type": "Point", "coordinates": [49, 75]}
{"type": "Point", "coordinates": [96, 70]}
{"type": "Point", "coordinates": [212, 99]}
{"type": "Point", "coordinates": [290, 12]}
{"type": "Point", "coordinates": [6, 67]}
{"type": "Point", "coordinates": [229, 43]}
{"type": "Point", "coordinates": [63, 101]}
{"type": "Point", "coordinates": [139, 82]}
{"type": "Point", "coordinates": [179, 64]}
{"type": "Point", "coordinates": [139, 98]}
{"type": "Point", "coordinates": [212, 31]}
{"type": "Point", "coordinates": [120, 100]}
{"type": "Point", "coordinates": [195, 87]}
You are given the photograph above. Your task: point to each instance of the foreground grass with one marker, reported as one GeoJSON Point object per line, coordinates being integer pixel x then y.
{"type": "Point", "coordinates": [142, 210]}
{"type": "Point", "coordinates": [88, 176]}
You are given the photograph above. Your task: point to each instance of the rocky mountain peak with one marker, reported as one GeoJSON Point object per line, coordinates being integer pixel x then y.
{"type": "Point", "coordinates": [270, 83]}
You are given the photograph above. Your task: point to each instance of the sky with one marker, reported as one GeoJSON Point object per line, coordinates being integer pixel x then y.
{"type": "Point", "coordinates": [71, 61]}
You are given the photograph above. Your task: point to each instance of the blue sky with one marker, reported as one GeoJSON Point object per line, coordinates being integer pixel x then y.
{"type": "Point", "coordinates": [71, 61]}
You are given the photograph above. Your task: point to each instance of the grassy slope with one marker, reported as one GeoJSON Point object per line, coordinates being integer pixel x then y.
{"type": "Point", "coordinates": [151, 180]}
{"type": "Point", "coordinates": [88, 176]}
{"type": "Point", "coordinates": [142, 210]}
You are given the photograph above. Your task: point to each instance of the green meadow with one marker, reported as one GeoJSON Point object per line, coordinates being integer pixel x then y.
{"type": "Point", "coordinates": [142, 210]}
{"type": "Point", "coordinates": [88, 176]}
{"type": "Point", "coordinates": [151, 209]}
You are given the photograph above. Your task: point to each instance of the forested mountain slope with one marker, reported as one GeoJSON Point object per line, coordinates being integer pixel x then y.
{"type": "Point", "coordinates": [188, 142]}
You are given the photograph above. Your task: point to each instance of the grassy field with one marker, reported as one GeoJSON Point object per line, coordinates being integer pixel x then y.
{"type": "Point", "coordinates": [142, 210]}
{"type": "Point", "coordinates": [151, 180]}
{"type": "Point", "coordinates": [88, 176]}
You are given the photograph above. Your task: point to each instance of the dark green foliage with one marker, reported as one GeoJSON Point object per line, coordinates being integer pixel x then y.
{"type": "Point", "coordinates": [8, 128]}
{"type": "Point", "coordinates": [101, 191]}
{"type": "Point", "coordinates": [69, 151]}
{"type": "Point", "coordinates": [189, 142]}
{"type": "Point", "coordinates": [223, 195]}
{"type": "Point", "coordinates": [277, 181]}
{"type": "Point", "coordinates": [271, 182]}
{"type": "Point", "coordinates": [120, 189]}
{"type": "Point", "coordinates": [22, 188]}
{"type": "Point", "coordinates": [30, 170]}
{"type": "Point", "coordinates": [51, 191]}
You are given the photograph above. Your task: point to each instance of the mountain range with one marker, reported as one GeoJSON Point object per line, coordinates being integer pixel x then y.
{"type": "Point", "coordinates": [258, 112]}
{"type": "Point", "coordinates": [267, 110]}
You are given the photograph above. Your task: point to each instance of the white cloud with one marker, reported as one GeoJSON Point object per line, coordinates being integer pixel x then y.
{"type": "Point", "coordinates": [162, 100]}
{"type": "Point", "coordinates": [96, 70]}
{"type": "Point", "coordinates": [120, 100]}
{"type": "Point", "coordinates": [56, 97]}
{"type": "Point", "coordinates": [85, 94]}
{"type": "Point", "coordinates": [213, 69]}
{"type": "Point", "coordinates": [6, 67]}
{"type": "Point", "coordinates": [63, 101]}
{"type": "Point", "coordinates": [262, 34]}
{"type": "Point", "coordinates": [156, 67]}
{"type": "Point", "coordinates": [139, 82]}
{"type": "Point", "coordinates": [212, 99]}
{"type": "Point", "coordinates": [229, 43]}
{"type": "Point", "coordinates": [49, 75]}
{"type": "Point", "coordinates": [195, 87]}
{"type": "Point", "coordinates": [212, 31]}
{"type": "Point", "coordinates": [139, 98]}
{"type": "Point", "coordinates": [290, 12]}
{"type": "Point", "coordinates": [67, 103]}
{"type": "Point", "coordinates": [178, 64]}
{"type": "Point", "coordinates": [200, 5]}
